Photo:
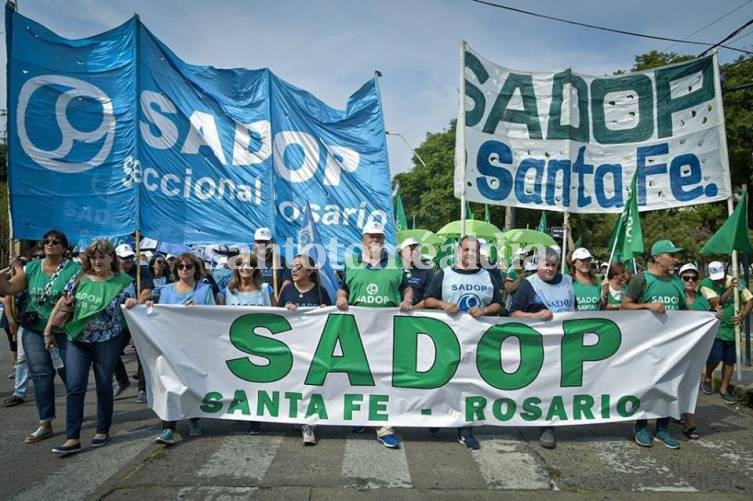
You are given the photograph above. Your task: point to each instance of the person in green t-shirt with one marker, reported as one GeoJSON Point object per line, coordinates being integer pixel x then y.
{"type": "Point", "coordinates": [613, 287]}
{"type": "Point", "coordinates": [689, 275]}
{"type": "Point", "coordinates": [718, 289]}
{"type": "Point", "coordinates": [44, 280]}
{"type": "Point", "coordinates": [375, 280]}
{"type": "Point", "coordinates": [658, 290]}
{"type": "Point", "coordinates": [586, 287]}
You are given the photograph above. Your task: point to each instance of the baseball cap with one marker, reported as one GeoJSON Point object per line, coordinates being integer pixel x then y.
{"type": "Point", "coordinates": [665, 247]}
{"type": "Point", "coordinates": [604, 265]}
{"type": "Point", "coordinates": [124, 251]}
{"type": "Point", "coordinates": [373, 228]}
{"type": "Point", "coordinates": [408, 242]}
{"type": "Point", "coordinates": [716, 270]}
{"type": "Point", "coordinates": [687, 267]}
{"type": "Point", "coordinates": [262, 234]}
{"type": "Point", "coordinates": [581, 253]}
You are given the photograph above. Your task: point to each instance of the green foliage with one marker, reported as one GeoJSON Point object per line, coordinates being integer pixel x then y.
{"type": "Point", "coordinates": [428, 191]}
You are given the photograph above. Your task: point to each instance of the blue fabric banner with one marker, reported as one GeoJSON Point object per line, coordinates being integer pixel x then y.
{"type": "Point", "coordinates": [115, 133]}
{"type": "Point", "coordinates": [71, 125]}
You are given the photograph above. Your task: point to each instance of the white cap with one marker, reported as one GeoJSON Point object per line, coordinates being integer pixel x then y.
{"type": "Point", "coordinates": [373, 228]}
{"type": "Point", "coordinates": [221, 261]}
{"type": "Point", "coordinates": [530, 263]}
{"type": "Point", "coordinates": [604, 265]}
{"type": "Point", "coordinates": [688, 267]}
{"type": "Point", "coordinates": [124, 251]}
{"type": "Point", "coordinates": [262, 234]}
{"type": "Point", "coordinates": [408, 242]}
{"type": "Point", "coordinates": [581, 253]}
{"type": "Point", "coordinates": [716, 270]}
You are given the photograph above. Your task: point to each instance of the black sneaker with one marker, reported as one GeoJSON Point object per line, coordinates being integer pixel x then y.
{"type": "Point", "coordinates": [254, 428]}
{"type": "Point", "coordinates": [13, 400]}
{"type": "Point", "coordinates": [466, 438]}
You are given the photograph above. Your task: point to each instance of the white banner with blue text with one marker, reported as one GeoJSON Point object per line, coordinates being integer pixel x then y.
{"type": "Point", "coordinates": [569, 142]}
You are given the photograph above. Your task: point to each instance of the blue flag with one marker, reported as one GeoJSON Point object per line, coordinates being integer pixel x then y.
{"type": "Point", "coordinates": [310, 244]}
{"type": "Point", "coordinates": [114, 133]}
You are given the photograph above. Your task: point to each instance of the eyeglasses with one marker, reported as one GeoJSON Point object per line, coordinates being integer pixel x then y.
{"type": "Point", "coordinates": [185, 266]}
{"type": "Point", "coordinates": [52, 241]}
{"type": "Point", "coordinates": [690, 278]}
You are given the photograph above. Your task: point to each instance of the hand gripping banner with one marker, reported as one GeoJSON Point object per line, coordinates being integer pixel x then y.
{"type": "Point", "coordinates": [380, 367]}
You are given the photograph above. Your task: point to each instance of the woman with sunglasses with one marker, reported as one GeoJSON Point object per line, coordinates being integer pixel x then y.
{"type": "Point", "coordinates": [160, 271]}
{"type": "Point", "coordinates": [45, 280]}
{"type": "Point", "coordinates": [95, 332]}
{"type": "Point", "coordinates": [246, 289]}
{"type": "Point", "coordinates": [305, 291]}
{"type": "Point", "coordinates": [689, 275]}
{"type": "Point", "coordinates": [189, 289]}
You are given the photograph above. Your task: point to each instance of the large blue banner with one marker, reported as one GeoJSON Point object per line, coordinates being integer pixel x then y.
{"type": "Point", "coordinates": [71, 125]}
{"type": "Point", "coordinates": [115, 133]}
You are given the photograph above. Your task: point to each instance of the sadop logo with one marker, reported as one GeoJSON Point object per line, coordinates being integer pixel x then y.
{"type": "Point", "coordinates": [372, 289]}
{"type": "Point", "coordinates": [468, 302]}
{"type": "Point", "coordinates": [92, 138]}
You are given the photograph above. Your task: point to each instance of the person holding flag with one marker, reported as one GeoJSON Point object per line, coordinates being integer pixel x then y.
{"type": "Point", "coordinates": [626, 240]}
{"type": "Point", "coordinates": [717, 289]}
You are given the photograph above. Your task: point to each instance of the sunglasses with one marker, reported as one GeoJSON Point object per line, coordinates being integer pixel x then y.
{"type": "Point", "coordinates": [52, 241]}
{"type": "Point", "coordinates": [185, 266]}
{"type": "Point", "coordinates": [690, 278]}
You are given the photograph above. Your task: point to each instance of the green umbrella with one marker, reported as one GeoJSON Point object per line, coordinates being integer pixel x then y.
{"type": "Point", "coordinates": [480, 229]}
{"type": "Point", "coordinates": [520, 239]}
{"type": "Point", "coordinates": [430, 241]}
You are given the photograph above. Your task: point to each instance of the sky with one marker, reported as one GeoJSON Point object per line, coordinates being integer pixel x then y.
{"type": "Point", "coordinates": [331, 47]}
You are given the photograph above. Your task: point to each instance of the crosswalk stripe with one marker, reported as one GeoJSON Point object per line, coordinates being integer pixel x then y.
{"type": "Point", "coordinates": [223, 493]}
{"type": "Point", "coordinates": [630, 460]}
{"type": "Point", "coordinates": [369, 465]}
{"type": "Point", "coordinates": [505, 464]}
{"type": "Point", "coordinates": [89, 468]}
{"type": "Point", "coordinates": [257, 451]}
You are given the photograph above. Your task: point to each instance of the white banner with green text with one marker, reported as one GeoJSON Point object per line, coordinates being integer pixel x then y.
{"type": "Point", "coordinates": [377, 366]}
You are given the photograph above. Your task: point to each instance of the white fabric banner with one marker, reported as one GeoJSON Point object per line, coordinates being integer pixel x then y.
{"type": "Point", "coordinates": [568, 142]}
{"type": "Point", "coordinates": [381, 367]}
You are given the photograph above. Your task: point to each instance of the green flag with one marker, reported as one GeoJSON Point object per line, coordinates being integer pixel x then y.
{"type": "Point", "coordinates": [401, 223]}
{"type": "Point", "coordinates": [733, 235]}
{"type": "Point", "coordinates": [627, 237]}
{"type": "Point", "coordinates": [542, 227]}
{"type": "Point", "coordinates": [487, 216]}
{"type": "Point", "coordinates": [468, 211]}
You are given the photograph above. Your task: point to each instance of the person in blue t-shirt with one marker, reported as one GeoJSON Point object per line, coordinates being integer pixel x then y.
{"type": "Point", "coordinates": [304, 291]}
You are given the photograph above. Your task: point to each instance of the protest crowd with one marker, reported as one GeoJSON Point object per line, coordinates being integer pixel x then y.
{"type": "Point", "coordinates": [49, 337]}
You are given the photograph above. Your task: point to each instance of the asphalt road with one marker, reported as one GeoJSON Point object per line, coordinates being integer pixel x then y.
{"type": "Point", "coordinates": [226, 463]}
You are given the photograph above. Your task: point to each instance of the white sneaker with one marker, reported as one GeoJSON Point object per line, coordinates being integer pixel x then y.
{"type": "Point", "coordinates": [308, 435]}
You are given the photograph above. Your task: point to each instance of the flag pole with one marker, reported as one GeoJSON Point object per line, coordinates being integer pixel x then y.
{"type": "Point", "coordinates": [460, 131]}
{"type": "Point", "coordinates": [563, 261]}
{"type": "Point", "coordinates": [736, 295]}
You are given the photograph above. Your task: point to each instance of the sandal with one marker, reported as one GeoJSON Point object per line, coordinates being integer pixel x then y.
{"type": "Point", "coordinates": [691, 433]}
{"type": "Point", "coordinates": [38, 435]}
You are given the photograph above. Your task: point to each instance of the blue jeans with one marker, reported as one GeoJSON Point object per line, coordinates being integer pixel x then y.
{"type": "Point", "coordinates": [21, 369]}
{"type": "Point", "coordinates": [42, 371]}
{"type": "Point", "coordinates": [79, 359]}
